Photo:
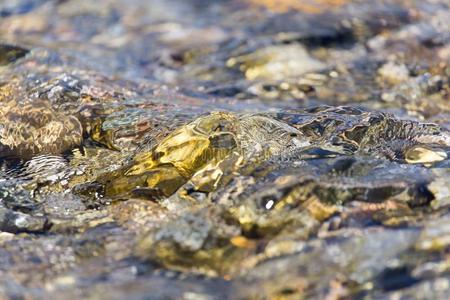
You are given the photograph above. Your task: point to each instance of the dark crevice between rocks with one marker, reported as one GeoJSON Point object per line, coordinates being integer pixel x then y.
{"type": "Point", "coordinates": [391, 279]}
{"type": "Point", "coordinates": [11, 8]}
{"type": "Point", "coordinates": [9, 54]}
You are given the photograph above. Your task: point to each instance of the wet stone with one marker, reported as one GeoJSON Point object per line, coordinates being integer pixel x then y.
{"type": "Point", "coordinates": [194, 243]}
{"type": "Point", "coordinates": [14, 195]}
{"type": "Point", "coordinates": [17, 222]}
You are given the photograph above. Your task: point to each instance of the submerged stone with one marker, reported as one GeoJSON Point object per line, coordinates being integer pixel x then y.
{"type": "Point", "coordinates": [276, 63]}
{"type": "Point", "coordinates": [207, 150]}
{"type": "Point", "coordinates": [424, 155]}
{"type": "Point", "coordinates": [36, 128]}
{"type": "Point", "coordinates": [203, 151]}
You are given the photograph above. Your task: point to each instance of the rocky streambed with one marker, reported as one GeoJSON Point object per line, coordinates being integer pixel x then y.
{"type": "Point", "coordinates": [231, 149]}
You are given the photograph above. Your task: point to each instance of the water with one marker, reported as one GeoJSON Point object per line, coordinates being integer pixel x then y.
{"type": "Point", "coordinates": [231, 149]}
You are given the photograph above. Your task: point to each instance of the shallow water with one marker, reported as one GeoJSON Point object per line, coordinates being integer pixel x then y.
{"type": "Point", "coordinates": [231, 149]}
